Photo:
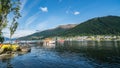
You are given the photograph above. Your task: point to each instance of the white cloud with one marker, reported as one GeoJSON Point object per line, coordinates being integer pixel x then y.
{"type": "Point", "coordinates": [76, 13]}
{"type": "Point", "coordinates": [44, 9]}
{"type": "Point", "coordinates": [50, 22]}
{"type": "Point", "coordinates": [32, 19]}
{"type": "Point", "coordinates": [68, 10]}
{"type": "Point", "coordinates": [23, 4]}
{"type": "Point", "coordinates": [21, 33]}
{"type": "Point", "coordinates": [18, 33]}
{"type": "Point", "coordinates": [27, 10]}
{"type": "Point", "coordinates": [42, 26]}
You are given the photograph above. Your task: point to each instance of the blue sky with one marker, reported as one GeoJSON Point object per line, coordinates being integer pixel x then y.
{"type": "Point", "coordinates": [45, 14]}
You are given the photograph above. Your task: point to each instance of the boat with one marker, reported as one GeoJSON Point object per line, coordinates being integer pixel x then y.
{"type": "Point", "coordinates": [48, 41]}
{"type": "Point", "coordinates": [51, 42]}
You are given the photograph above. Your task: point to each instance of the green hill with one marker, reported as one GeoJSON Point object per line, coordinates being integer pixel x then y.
{"type": "Point", "coordinates": [50, 32]}
{"type": "Point", "coordinates": [108, 25]}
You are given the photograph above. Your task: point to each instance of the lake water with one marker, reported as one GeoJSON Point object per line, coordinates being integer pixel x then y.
{"type": "Point", "coordinates": [74, 54]}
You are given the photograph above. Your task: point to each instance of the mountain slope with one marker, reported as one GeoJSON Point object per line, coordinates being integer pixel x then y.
{"type": "Point", "coordinates": [50, 32]}
{"type": "Point", "coordinates": [108, 25]}
{"type": "Point", "coordinates": [96, 26]}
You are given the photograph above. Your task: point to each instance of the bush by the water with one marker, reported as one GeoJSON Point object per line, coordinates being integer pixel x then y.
{"type": "Point", "coordinates": [9, 47]}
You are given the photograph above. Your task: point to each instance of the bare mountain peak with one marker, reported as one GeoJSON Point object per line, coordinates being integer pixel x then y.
{"type": "Point", "coordinates": [67, 26]}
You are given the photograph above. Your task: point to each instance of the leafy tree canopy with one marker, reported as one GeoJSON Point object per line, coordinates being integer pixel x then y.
{"type": "Point", "coordinates": [8, 7]}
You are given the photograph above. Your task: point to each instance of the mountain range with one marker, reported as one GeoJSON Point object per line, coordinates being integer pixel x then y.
{"type": "Point", "coordinates": [107, 25]}
{"type": "Point", "coordinates": [50, 32]}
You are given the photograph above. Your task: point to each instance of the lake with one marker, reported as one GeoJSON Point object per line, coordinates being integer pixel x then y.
{"type": "Point", "coordinates": [70, 54]}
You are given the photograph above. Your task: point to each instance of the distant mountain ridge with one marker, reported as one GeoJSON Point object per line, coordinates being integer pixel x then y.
{"type": "Point", "coordinates": [50, 32]}
{"type": "Point", "coordinates": [8, 39]}
{"type": "Point", "coordinates": [107, 25]}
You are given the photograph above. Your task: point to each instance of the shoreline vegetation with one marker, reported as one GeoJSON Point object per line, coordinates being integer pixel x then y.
{"type": "Point", "coordinates": [7, 49]}
{"type": "Point", "coordinates": [92, 38]}
{"type": "Point", "coordinates": [80, 38]}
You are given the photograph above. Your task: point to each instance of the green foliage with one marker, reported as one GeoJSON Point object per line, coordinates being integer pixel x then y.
{"type": "Point", "coordinates": [1, 38]}
{"type": "Point", "coordinates": [45, 34]}
{"type": "Point", "coordinates": [109, 25]}
{"type": "Point", "coordinates": [9, 7]}
{"type": "Point", "coordinates": [13, 28]}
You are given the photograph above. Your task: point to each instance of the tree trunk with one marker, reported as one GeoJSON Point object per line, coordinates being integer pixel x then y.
{"type": "Point", "coordinates": [10, 40]}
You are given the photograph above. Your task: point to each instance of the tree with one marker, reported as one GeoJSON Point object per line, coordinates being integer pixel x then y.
{"type": "Point", "coordinates": [1, 38]}
{"type": "Point", "coordinates": [13, 28]}
{"type": "Point", "coordinates": [8, 7]}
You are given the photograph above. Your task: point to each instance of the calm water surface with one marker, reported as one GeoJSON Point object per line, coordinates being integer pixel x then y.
{"type": "Point", "coordinates": [84, 54]}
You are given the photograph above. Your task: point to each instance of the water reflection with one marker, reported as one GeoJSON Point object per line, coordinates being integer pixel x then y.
{"type": "Point", "coordinates": [49, 46]}
{"type": "Point", "coordinates": [104, 51]}
{"type": "Point", "coordinates": [70, 54]}
{"type": "Point", "coordinates": [5, 59]}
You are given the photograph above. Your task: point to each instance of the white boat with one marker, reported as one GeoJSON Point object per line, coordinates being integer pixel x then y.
{"type": "Point", "coordinates": [51, 42]}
